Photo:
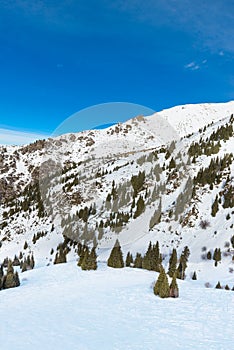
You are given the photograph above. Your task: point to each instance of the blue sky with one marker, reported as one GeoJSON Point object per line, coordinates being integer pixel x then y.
{"type": "Point", "coordinates": [58, 57]}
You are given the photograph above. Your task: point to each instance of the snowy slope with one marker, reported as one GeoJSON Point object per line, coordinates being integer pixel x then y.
{"type": "Point", "coordinates": [62, 307]}
{"type": "Point", "coordinates": [190, 118]}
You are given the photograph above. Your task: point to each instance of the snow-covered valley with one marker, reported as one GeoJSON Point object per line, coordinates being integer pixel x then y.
{"type": "Point", "coordinates": [62, 307]}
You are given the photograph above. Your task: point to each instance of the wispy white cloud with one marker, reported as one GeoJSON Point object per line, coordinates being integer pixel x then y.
{"type": "Point", "coordinates": [192, 66]}
{"type": "Point", "coordinates": [195, 66]}
{"type": "Point", "coordinates": [15, 137]}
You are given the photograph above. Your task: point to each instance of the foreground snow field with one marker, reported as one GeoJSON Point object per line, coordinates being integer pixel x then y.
{"type": "Point", "coordinates": [63, 307]}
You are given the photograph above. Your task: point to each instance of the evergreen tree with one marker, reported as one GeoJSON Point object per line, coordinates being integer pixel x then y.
{"type": "Point", "coordinates": [129, 259]}
{"type": "Point", "coordinates": [180, 272]}
{"type": "Point", "coordinates": [218, 286]}
{"type": "Point", "coordinates": [81, 252]}
{"type": "Point", "coordinates": [215, 207]}
{"type": "Point", "coordinates": [217, 256]}
{"type": "Point", "coordinates": [11, 280]}
{"type": "Point", "coordinates": [90, 260]}
{"type": "Point", "coordinates": [24, 266]}
{"type": "Point", "coordinates": [174, 289]}
{"type": "Point", "coordinates": [116, 256]}
{"type": "Point", "coordinates": [152, 259]}
{"type": "Point", "coordinates": [172, 163]}
{"type": "Point", "coordinates": [161, 287]}
{"type": "Point", "coordinates": [32, 262]}
{"type": "Point", "coordinates": [194, 276]}
{"type": "Point", "coordinates": [16, 261]}
{"type": "Point", "coordinates": [138, 261]}
{"type": "Point", "coordinates": [172, 263]}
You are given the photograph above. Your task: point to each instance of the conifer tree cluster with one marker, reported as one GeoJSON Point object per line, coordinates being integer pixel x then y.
{"type": "Point", "coordinates": [226, 287]}
{"type": "Point", "coordinates": [10, 279]}
{"type": "Point", "coordinates": [212, 144]}
{"type": "Point", "coordinates": [213, 173]}
{"type": "Point", "coordinates": [27, 264]}
{"type": "Point", "coordinates": [38, 235]}
{"type": "Point", "coordinates": [162, 287]}
{"type": "Point", "coordinates": [152, 259]}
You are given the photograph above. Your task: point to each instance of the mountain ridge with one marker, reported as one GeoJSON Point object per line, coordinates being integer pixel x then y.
{"type": "Point", "coordinates": [81, 168]}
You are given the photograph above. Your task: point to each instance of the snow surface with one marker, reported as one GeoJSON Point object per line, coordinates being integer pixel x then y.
{"type": "Point", "coordinates": [63, 307]}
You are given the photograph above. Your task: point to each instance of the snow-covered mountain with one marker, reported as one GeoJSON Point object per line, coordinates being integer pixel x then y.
{"type": "Point", "coordinates": [136, 181]}
{"type": "Point", "coordinates": [169, 178]}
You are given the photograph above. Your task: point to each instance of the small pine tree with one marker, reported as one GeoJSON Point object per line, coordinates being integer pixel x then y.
{"type": "Point", "coordinates": [116, 256]}
{"type": "Point", "coordinates": [60, 257]}
{"type": "Point", "coordinates": [194, 276]}
{"type": "Point", "coordinates": [218, 285]}
{"type": "Point", "coordinates": [90, 260]}
{"type": "Point", "coordinates": [161, 287]}
{"type": "Point", "coordinates": [172, 163]}
{"type": "Point", "coordinates": [24, 266]}
{"type": "Point", "coordinates": [180, 272]}
{"type": "Point", "coordinates": [129, 259]}
{"type": "Point", "coordinates": [215, 207]}
{"type": "Point", "coordinates": [81, 251]}
{"type": "Point", "coordinates": [16, 261]}
{"type": "Point", "coordinates": [138, 261]}
{"type": "Point", "coordinates": [11, 280]}
{"type": "Point", "coordinates": [32, 262]}
{"type": "Point", "coordinates": [217, 256]}
{"type": "Point", "coordinates": [172, 263]}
